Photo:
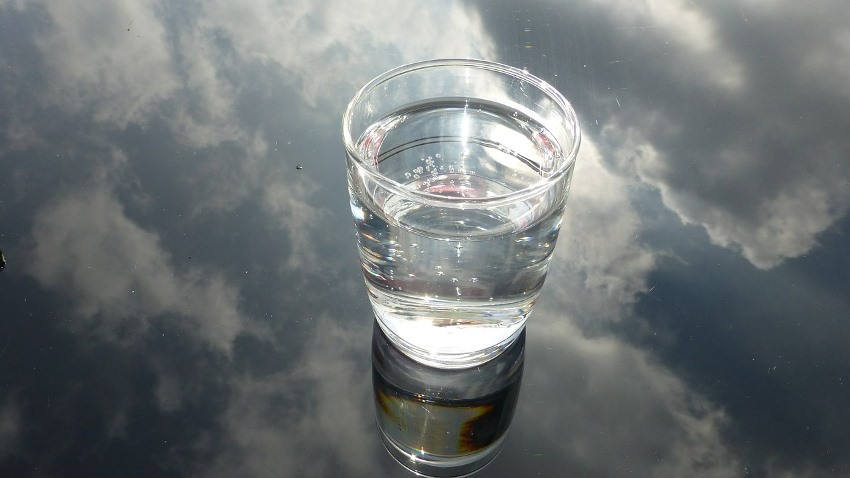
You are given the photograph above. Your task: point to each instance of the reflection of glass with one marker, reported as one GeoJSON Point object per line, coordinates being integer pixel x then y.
{"type": "Point", "coordinates": [458, 172]}
{"type": "Point", "coordinates": [439, 422]}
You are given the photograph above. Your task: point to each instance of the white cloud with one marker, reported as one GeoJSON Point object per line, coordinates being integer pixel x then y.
{"type": "Point", "coordinates": [618, 412]}
{"type": "Point", "coordinates": [308, 420]}
{"type": "Point", "coordinates": [689, 32]}
{"type": "Point", "coordinates": [119, 276]}
{"type": "Point", "coordinates": [351, 41]}
{"type": "Point", "coordinates": [767, 222]}
{"type": "Point", "coordinates": [109, 56]}
{"type": "Point", "coordinates": [119, 59]}
{"type": "Point", "coordinates": [319, 52]}
{"type": "Point", "coordinates": [289, 204]}
{"type": "Point", "coordinates": [761, 167]}
{"type": "Point", "coordinates": [599, 263]}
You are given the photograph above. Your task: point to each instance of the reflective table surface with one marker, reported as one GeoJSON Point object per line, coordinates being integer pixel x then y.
{"type": "Point", "coordinates": [181, 295]}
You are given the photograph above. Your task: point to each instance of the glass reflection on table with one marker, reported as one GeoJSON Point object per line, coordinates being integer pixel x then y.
{"type": "Point", "coordinates": [442, 423]}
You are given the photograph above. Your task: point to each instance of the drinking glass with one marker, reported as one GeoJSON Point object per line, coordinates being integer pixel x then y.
{"type": "Point", "coordinates": [458, 173]}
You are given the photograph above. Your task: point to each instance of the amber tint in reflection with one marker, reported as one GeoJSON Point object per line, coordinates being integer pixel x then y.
{"type": "Point", "coordinates": [444, 422]}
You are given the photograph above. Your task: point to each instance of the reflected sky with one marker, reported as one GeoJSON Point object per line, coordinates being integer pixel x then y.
{"type": "Point", "coordinates": [180, 300]}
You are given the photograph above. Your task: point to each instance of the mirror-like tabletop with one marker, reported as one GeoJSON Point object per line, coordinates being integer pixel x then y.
{"type": "Point", "coordinates": [180, 293]}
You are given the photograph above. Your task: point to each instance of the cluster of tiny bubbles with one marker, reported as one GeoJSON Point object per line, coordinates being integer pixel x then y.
{"type": "Point", "coordinates": [417, 171]}
{"type": "Point", "coordinates": [430, 166]}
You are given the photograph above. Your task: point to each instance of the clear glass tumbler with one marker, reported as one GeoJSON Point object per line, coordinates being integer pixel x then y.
{"type": "Point", "coordinates": [458, 172]}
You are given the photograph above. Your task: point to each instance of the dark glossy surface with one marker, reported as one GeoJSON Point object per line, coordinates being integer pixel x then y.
{"type": "Point", "coordinates": [180, 299]}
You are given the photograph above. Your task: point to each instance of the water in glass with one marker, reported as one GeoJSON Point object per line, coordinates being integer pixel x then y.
{"type": "Point", "coordinates": [451, 285]}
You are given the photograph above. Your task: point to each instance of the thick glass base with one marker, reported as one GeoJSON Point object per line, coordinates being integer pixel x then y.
{"type": "Point", "coordinates": [452, 360]}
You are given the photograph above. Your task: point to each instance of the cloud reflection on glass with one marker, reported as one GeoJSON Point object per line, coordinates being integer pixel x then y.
{"type": "Point", "coordinates": [439, 422]}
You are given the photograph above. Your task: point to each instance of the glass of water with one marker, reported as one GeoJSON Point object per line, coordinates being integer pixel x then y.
{"type": "Point", "coordinates": [458, 172]}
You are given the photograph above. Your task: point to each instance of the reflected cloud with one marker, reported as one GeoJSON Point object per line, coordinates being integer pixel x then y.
{"type": "Point", "coordinates": [599, 263]}
{"type": "Point", "coordinates": [101, 56]}
{"type": "Point", "coordinates": [761, 173]}
{"type": "Point", "coordinates": [730, 110]}
{"type": "Point", "coordinates": [619, 413]}
{"type": "Point", "coordinates": [725, 195]}
{"type": "Point", "coordinates": [111, 58]}
{"type": "Point", "coordinates": [308, 420]}
{"type": "Point", "coordinates": [689, 35]}
{"type": "Point", "coordinates": [120, 278]}
{"type": "Point", "coordinates": [352, 41]}
{"type": "Point", "coordinates": [761, 167]}
{"type": "Point", "coordinates": [289, 205]}
{"type": "Point", "coordinates": [132, 71]}
{"type": "Point", "coordinates": [10, 424]}
{"type": "Point", "coordinates": [304, 60]}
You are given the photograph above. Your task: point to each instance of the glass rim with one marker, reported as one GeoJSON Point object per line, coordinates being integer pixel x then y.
{"type": "Point", "coordinates": [452, 201]}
